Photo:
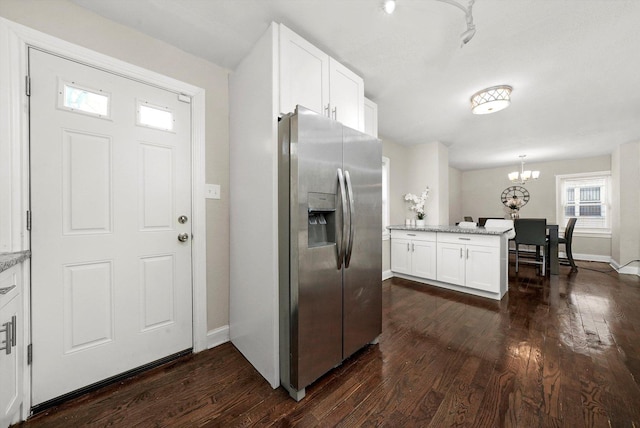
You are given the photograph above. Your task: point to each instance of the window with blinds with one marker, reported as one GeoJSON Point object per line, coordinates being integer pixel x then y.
{"type": "Point", "coordinates": [584, 196]}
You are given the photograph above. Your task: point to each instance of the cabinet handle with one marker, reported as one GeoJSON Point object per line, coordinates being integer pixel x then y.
{"type": "Point", "coordinates": [335, 113]}
{"type": "Point", "coordinates": [407, 246]}
{"type": "Point", "coordinates": [467, 254]}
{"type": "Point", "coordinates": [460, 252]}
{"type": "Point", "coordinates": [5, 290]}
{"type": "Point", "coordinates": [411, 234]}
{"type": "Point", "coordinates": [7, 330]}
{"type": "Point", "coordinates": [465, 239]}
{"type": "Point", "coordinates": [326, 110]}
{"type": "Point", "coordinates": [413, 248]}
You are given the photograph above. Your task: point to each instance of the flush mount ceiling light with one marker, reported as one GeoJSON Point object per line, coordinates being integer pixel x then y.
{"type": "Point", "coordinates": [491, 100]}
{"type": "Point", "coordinates": [389, 6]}
{"type": "Point", "coordinates": [523, 176]}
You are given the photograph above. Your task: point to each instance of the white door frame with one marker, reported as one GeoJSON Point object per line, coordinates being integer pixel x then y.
{"type": "Point", "coordinates": [14, 41]}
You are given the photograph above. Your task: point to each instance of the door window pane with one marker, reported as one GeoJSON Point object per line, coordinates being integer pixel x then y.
{"type": "Point", "coordinates": [85, 101]}
{"type": "Point", "coordinates": [154, 116]}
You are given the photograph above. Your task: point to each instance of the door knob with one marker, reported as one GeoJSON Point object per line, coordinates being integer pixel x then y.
{"type": "Point", "coordinates": [183, 237]}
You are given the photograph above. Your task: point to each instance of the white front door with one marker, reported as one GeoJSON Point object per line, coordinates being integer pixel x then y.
{"type": "Point", "coordinates": [110, 178]}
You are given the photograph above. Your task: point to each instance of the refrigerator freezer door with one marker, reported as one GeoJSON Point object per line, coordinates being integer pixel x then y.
{"type": "Point", "coordinates": [362, 289]}
{"type": "Point", "coordinates": [315, 279]}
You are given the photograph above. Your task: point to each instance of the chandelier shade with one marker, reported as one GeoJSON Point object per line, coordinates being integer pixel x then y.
{"type": "Point", "coordinates": [491, 100]}
{"type": "Point", "coordinates": [522, 176]}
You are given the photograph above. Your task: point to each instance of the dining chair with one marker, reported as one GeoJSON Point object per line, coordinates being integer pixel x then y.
{"type": "Point", "coordinates": [467, 224]}
{"type": "Point", "coordinates": [567, 240]}
{"type": "Point", "coordinates": [483, 220]}
{"type": "Point", "coordinates": [492, 222]}
{"type": "Point", "coordinates": [532, 231]}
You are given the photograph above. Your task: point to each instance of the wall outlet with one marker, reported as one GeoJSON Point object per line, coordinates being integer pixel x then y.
{"type": "Point", "coordinates": [212, 191]}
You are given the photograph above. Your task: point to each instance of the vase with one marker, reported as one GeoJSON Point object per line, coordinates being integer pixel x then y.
{"type": "Point", "coordinates": [515, 215]}
{"type": "Point", "coordinates": [420, 223]}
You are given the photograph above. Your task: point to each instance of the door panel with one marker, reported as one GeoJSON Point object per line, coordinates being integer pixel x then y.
{"type": "Point", "coordinates": [86, 182]}
{"type": "Point", "coordinates": [111, 283]}
{"type": "Point", "coordinates": [362, 293]}
{"type": "Point", "coordinates": [346, 95]}
{"type": "Point", "coordinates": [423, 261]}
{"type": "Point", "coordinates": [304, 74]}
{"type": "Point", "coordinates": [450, 263]}
{"type": "Point", "coordinates": [400, 255]}
{"type": "Point", "coordinates": [316, 281]}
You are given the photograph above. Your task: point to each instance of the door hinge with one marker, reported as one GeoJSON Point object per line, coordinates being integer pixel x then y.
{"type": "Point", "coordinates": [29, 353]}
{"type": "Point", "coordinates": [28, 220]}
{"type": "Point", "coordinates": [27, 85]}
{"type": "Point", "coordinates": [184, 98]}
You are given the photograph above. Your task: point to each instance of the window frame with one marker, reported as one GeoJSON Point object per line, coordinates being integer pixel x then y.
{"type": "Point", "coordinates": [561, 204]}
{"type": "Point", "coordinates": [386, 178]}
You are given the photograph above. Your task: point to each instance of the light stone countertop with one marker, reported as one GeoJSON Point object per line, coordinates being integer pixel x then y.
{"type": "Point", "coordinates": [453, 229]}
{"type": "Point", "coordinates": [8, 260]}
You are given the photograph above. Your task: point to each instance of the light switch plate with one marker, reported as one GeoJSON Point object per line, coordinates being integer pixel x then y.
{"type": "Point", "coordinates": [212, 191]}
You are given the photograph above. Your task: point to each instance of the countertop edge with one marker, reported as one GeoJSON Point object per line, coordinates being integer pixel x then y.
{"type": "Point", "coordinates": [9, 260]}
{"type": "Point", "coordinates": [453, 229]}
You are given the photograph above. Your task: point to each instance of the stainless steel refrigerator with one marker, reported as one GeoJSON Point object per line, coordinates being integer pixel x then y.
{"type": "Point", "coordinates": [330, 245]}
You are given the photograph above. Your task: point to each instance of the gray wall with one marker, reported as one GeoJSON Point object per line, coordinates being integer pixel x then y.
{"type": "Point", "coordinates": [625, 175]}
{"type": "Point", "coordinates": [65, 20]}
{"type": "Point", "coordinates": [397, 155]}
{"type": "Point", "coordinates": [481, 190]}
{"type": "Point", "coordinates": [477, 193]}
{"type": "Point", "coordinates": [455, 195]}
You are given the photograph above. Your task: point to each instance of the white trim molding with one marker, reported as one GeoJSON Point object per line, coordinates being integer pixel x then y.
{"type": "Point", "coordinates": [15, 39]}
{"type": "Point", "coordinates": [627, 270]}
{"type": "Point", "coordinates": [387, 274]}
{"type": "Point", "coordinates": [218, 336]}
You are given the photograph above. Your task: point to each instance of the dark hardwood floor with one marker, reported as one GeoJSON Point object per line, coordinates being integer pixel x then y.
{"type": "Point", "coordinates": [560, 351]}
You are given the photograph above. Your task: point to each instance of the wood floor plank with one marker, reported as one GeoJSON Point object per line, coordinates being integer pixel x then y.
{"type": "Point", "coordinates": [560, 351]}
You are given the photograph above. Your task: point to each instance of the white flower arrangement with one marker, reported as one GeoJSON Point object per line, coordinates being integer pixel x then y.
{"type": "Point", "coordinates": [515, 203]}
{"type": "Point", "coordinates": [418, 202]}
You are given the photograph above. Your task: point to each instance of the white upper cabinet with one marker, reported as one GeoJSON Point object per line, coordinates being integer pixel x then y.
{"type": "Point", "coordinates": [309, 77]}
{"type": "Point", "coordinates": [370, 117]}
{"type": "Point", "coordinates": [346, 96]}
{"type": "Point", "coordinates": [304, 74]}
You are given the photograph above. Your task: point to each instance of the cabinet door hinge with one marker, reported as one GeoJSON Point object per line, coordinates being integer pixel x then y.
{"type": "Point", "coordinates": [27, 85]}
{"type": "Point", "coordinates": [29, 354]}
{"type": "Point", "coordinates": [28, 220]}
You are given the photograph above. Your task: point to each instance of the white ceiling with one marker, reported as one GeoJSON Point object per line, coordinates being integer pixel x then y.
{"type": "Point", "coordinates": [574, 65]}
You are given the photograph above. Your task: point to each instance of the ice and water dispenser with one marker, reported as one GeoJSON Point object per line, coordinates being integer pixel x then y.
{"type": "Point", "coordinates": [322, 219]}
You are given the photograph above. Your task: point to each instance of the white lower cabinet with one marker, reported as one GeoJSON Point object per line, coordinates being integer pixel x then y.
{"type": "Point", "coordinates": [471, 263]}
{"type": "Point", "coordinates": [11, 346]}
{"type": "Point", "coordinates": [414, 253]}
{"type": "Point", "coordinates": [469, 260]}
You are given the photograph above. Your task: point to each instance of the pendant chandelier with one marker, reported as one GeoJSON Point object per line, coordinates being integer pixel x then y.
{"type": "Point", "coordinates": [523, 176]}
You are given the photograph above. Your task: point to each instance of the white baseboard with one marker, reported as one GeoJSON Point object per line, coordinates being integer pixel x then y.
{"type": "Point", "coordinates": [627, 270]}
{"type": "Point", "coordinates": [387, 274]}
{"type": "Point", "coordinates": [587, 257]}
{"type": "Point", "coordinates": [217, 337]}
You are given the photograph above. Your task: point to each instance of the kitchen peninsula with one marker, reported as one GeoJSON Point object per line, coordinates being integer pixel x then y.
{"type": "Point", "coordinates": [469, 260]}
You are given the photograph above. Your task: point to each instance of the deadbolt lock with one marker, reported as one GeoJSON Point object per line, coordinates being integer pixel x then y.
{"type": "Point", "coordinates": [183, 219]}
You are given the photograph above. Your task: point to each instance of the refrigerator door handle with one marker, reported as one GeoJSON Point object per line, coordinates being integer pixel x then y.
{"type": "Point", "coordinates": [342, 241]}
{"type": "Point", "coordinates": [352, 213]}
